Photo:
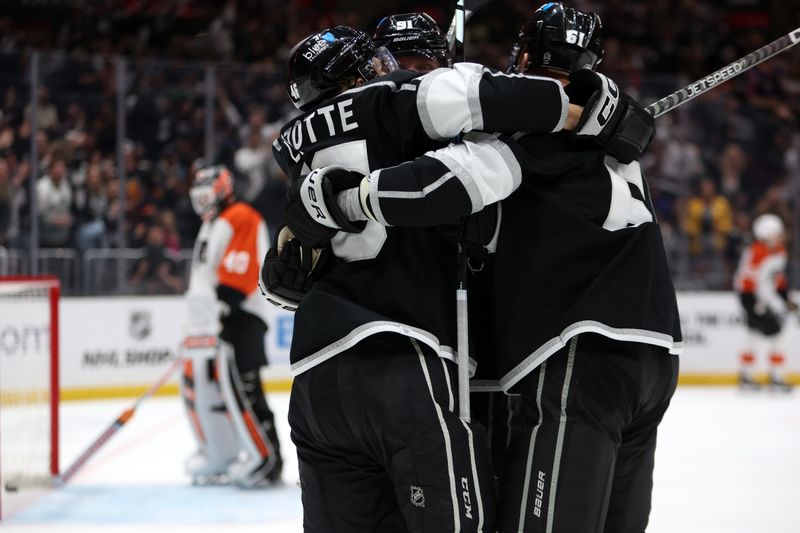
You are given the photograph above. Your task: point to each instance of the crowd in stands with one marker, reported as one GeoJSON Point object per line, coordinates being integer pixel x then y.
{"type": "Point", "coordinates": [714, 165]}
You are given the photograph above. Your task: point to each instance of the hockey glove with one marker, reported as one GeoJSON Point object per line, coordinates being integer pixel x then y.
{"type": "Point", "coordinates": [289, 271]}
{"type": "Point", "coordinates": [311, 210]}
{"type": "Point", "coordinates": [621, 126]}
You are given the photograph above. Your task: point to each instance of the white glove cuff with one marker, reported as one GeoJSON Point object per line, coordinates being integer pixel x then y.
{"type": "Point", "coordinates": [314, 199]}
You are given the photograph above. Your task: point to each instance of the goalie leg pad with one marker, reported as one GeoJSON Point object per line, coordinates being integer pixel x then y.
{"type": "Point", "coordinates": [214, 433]}
{"type": "Point", "coordinates": [261, 461]}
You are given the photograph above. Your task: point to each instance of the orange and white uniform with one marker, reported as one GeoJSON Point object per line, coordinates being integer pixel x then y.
{"type": "Point", "coordinates": [238, 441]}
{"type": "Point", "coordinates": [761, 273]}
{"type": "Point", "coordinates": [230, 251]}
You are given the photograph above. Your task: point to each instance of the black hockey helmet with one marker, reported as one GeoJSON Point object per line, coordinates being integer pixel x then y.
{"type": "Point", "coordinates": [559, 38]}
{"type": "Point", "coordinates": [412, 34]}
{"type": "Point", "coordinates": [319, 65]}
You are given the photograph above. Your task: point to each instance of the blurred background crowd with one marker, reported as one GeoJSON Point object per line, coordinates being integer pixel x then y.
{"type": "Point", "coordinates": [129, 94]}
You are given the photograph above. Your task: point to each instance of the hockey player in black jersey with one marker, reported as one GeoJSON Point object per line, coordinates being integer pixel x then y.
{"type": "Point", "coordinates": [596, 332]}
{"type": "Point", "coordinates": [373, 412]}
{"type": "Point", "coordinates": [585, 316]}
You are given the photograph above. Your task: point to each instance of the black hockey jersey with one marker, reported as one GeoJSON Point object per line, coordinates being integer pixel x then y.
{"type": "Point", "coordinates": [401, 280]}
{"type": "Point", "coordinates": [579, 250]}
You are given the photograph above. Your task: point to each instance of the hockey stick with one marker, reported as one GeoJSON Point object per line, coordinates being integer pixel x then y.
{"type": "Point", "coordinates": [464, 8]}
{"type": "Point", "coordinates": [462, 316]}
{"type": "Point", "coordinates": [693, 90]}
{"type": "Point", "coordinates": [120, 421]}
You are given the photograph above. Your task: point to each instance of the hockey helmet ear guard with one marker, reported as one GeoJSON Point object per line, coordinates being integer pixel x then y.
{"type": "Point", "coordinates": [212, 187]}
{"type": "Point", "coordinates": [319, 66]}
{"type": "Point", "coordinates": [559, 38]}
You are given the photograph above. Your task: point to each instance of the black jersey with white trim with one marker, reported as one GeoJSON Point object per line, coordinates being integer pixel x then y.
{"type": "Point", "coordinates": [368, 127]}
{"type": "Point", "coordinates": [392, 280]}
{"type": "Point", "coordinates": [444, 185]}
{"type": "Point", "coordinates": [579, 250]}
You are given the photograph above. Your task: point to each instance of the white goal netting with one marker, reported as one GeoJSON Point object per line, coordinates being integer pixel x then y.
{"type": "Point", "coordinates": [28, 382]}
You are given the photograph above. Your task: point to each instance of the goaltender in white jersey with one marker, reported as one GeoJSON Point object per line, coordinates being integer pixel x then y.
{"type": "Point", "coordinates": [221, 388]}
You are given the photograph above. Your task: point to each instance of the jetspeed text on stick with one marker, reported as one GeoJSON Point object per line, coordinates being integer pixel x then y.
{"type": "Point", "coordinates": [718, 77]}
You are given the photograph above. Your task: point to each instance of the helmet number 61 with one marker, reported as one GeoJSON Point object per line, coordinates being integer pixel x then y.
{"type": "Point", "coordinates": [576, 37]}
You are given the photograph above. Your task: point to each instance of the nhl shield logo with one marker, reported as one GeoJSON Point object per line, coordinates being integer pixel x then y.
{"type": "Point", "coordinates": [417, 496]}
{"type": "Point", "coordinates": [140, 325]}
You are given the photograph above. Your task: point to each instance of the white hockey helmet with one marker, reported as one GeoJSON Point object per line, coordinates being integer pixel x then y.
{"type": "Point", "coordinates": [767, 227]}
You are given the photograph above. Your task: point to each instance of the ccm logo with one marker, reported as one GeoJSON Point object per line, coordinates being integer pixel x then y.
{"type": "Point", "coordinates": [467, 499]}
{"type": "Point", "coordinates": [609, 105]}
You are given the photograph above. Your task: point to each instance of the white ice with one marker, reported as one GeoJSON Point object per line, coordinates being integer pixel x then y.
{"type": "Point", "coordinates": [726, 462]}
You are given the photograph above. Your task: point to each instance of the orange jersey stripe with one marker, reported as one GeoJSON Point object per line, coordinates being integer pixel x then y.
{"type": "Point", "coordinates": [752, 259]}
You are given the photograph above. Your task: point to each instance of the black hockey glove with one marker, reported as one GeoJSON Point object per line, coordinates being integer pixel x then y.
{"type": "Point", "coordinates": [791, 305]}
{"type": "Point", "coordinates": [289, 271]}
{"type": "Point", "coordinates": [311, 210]}
{"type": "Point", "coordinates": [620, 125]}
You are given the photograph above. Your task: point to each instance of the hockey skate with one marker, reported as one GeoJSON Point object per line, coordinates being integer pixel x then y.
{"type": "Point", "coordinates": [204, 471]}
{"type": "Point", "coordinates": [254, 473]}
{"type": "Point", "coordinates": [779, 384]}
{"type": "Point", "coordinates": [748, 383]}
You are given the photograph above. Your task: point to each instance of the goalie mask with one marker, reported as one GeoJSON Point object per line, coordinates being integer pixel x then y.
{"type": "Point", "coordinates": [211, 191]}
{"type": "Point", "coordinates": [321, 65]}
{"type": "Point", "coordinates": [559, 38]}
{"type": "Point", "coordinates": [415, 40]}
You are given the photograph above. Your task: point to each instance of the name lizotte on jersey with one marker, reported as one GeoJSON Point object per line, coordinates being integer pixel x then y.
{"type": "Point", "coordinates": [338, 119]}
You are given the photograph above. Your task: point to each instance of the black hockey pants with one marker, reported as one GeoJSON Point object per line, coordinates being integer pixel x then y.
{"type": "Point", "coordinates": [581, 453]}
{"type": "Point", "coordinates": [381, 448]}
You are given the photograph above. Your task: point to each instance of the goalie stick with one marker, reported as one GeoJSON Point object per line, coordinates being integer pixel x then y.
{"type": "Point", "coordinates": [693, 90]}
{"type": "Point", "coordinates": [115, 426]}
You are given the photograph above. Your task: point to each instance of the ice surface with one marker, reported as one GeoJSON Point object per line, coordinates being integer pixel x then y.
{"type": "Point", "coordinates": [726, 462]}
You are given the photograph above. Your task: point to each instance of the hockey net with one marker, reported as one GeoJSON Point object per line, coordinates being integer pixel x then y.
{"type": "Point", "coordinates": [28, 383]}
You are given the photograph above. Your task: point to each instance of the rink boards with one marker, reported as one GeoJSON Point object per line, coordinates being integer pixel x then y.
{"type": "Point", "coordinates": [118, 346]}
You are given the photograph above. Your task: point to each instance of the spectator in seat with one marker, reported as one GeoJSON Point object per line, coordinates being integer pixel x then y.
{"type": "Point", "coordinates": [732, 168]}
{"type": "Point", "coordinates": [776, 200]}
{"type": "Point", "coordinates": [6, 201]}
{"type": "Point", "coordinates": [251, 164]}
{"type": "Point", "coordinates": [172, 239]}
{"type": "Point", "coordinates": [54, 199]}
{"type": "Point", "coordinates": [46, 111]}
{"type": "Point", "coordinates": [708, 222]}
{"type": "Point", "coordinates": [90, 207]}
{"type": "Point", "coordinates": [155, 273]}
{"type": "Point", "coordinates": [709, 219]}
